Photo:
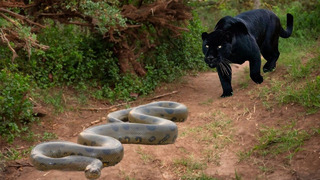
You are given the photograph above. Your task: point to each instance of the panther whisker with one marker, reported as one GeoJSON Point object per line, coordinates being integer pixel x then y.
{"type": "Point", "coordinates": [228, 61]}
{"type": "Point", "coordinates": [227, 66]}
{"type": "Point", "coordinates": [223, 67]}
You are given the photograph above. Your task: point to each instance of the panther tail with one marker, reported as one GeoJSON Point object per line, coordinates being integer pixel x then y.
{"type": "Point", "coordinates": [287, 33]}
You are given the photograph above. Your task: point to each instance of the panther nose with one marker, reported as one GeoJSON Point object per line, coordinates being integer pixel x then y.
{"type": "Point", "coordinates": [210, 58]}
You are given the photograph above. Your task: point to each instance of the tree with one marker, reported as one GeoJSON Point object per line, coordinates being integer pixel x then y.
{"type": "Point", "coordinates": [123, 23]}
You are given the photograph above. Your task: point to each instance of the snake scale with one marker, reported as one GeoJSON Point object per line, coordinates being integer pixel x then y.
{"type": "Point", "coordinates": [101, 146]}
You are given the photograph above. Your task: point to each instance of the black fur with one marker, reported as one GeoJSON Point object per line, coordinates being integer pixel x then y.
{"type": "Point", "coordinates": [244, 37]}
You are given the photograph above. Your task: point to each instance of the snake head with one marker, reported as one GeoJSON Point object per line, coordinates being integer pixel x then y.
{"type": "Point", "coordinates": [93, 170]}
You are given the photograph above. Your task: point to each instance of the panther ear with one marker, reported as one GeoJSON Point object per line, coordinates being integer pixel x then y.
{"type": "Point", "coordinates": [228, 36]}
{"type": "Point", "coordinates": [239, 28]}
{"type": "Point", "coordinates": [204, 36]}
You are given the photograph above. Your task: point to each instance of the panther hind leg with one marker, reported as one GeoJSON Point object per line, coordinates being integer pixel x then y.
{"type": "Point", "coordinates": [271, 62]}
{"type": "Point", "coordinates": [271, 53]}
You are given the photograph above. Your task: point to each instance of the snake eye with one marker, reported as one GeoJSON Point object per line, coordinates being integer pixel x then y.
{"type": "Point", "coordinates": [207, 46]}
{"type": "Point", "coordinates": [219, 47]}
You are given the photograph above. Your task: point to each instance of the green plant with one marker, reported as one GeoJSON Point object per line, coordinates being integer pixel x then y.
{"type": "Point", "coordinates": [274, 141]}
{"type": "Point", "coordinates": [306, 95]}
{"type": "Point", "coordinates": [74, 57]}
{"type": "Point", "coordinates": [237, 176]}
{"type": "Point", "coordinates": [145, 157]}
{"type": "Point", "coordinates": [190, 163]}
{"type": "Point", "coordinates": [191, 166]}
{"type": "Point", "coordinates": [14, 154]}
{"type": "Point", "coordinates": [243, 155]}
{"type": "Point", "coordinates": [217, 130]}
{"type": "Point", "coordinates": [15, 107]}
{"type": "Point", "coordinates": [48, 136]}
{"type": "Point", "coordinates": [300, 86]}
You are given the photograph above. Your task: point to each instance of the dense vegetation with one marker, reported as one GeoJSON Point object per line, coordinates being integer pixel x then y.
{"type": "Point", "coordinates": [86, 56]}
{"type": "Point", "coordinates": [110, 58]}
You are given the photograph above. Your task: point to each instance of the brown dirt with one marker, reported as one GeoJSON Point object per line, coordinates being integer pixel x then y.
{"type": "Point", "coordinates": [218, 157]}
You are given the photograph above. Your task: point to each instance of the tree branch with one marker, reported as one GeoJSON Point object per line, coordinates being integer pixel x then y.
{"type": "Point", "coordinates": [21, 17]}
{"type": "Point", "coordinates": [4, 39]}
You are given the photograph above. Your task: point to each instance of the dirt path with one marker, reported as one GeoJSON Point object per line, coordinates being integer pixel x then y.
{"type": "Point", "coordinates": [210, 143]}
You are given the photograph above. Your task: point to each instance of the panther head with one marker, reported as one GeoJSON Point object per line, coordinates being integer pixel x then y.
{"type": "Point", "coordinates": [216, 47]}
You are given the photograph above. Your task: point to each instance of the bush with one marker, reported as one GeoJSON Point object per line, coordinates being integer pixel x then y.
{"type": "Point", "coordinates": [80, 59]}
{"type": "Point", "coordinates": [174, 56]}
{"type": "Point", "coordinates": [74, 57]}
{"type": "Point", "coordinates": [171, 59]}
{"type": "Point", "coordinates": [15, 107]}
{"type": "Point", "coordinates": [306, 18]}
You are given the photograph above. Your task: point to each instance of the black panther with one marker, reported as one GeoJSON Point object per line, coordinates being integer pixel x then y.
{"type": "Point", "coordinates": [244, 37]}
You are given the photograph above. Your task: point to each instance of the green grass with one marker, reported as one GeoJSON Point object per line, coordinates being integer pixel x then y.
{"type": "Point", "coordinates": [190, 163]}
{"type": "Point", "coordinates": [31, 136]}
{"type": "Point", "coordinates": [52, 97]}
{"type": "Point", "coordinates": [245, 79]}
{"type": "Point", "coordinates": [300, 65]}
{"type": "Point", "coordinates": [213, 131]}
{"type": "Point", "coordinates": [144, 156]}
{"type": "Point", "coordinates": [190, 168]}
{"type": "Point", "coordinates": [275, 141]}
{"type": "Point", "coordinates": [14, 154]}
{"type": "Point", "coordinates": [301, 59]}
{"type": "Point", "coordinates": [216, 133]}
{"type": "Point", "coordinates": [301, 86]}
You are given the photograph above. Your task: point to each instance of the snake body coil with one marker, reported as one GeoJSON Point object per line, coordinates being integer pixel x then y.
{"type": "Point", "coordinates": [100, 146]}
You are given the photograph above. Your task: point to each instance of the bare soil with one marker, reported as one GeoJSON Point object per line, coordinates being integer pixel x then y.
{"type": "Point", "coordinates": [213, 152]}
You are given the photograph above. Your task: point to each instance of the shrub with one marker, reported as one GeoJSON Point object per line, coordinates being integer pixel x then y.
{"type": "Point", "coordinates": [74, 57]}
{"type": "Point", "coordinates": [15, 107]}
{"type": "Point", "coordinates": [170, 59]}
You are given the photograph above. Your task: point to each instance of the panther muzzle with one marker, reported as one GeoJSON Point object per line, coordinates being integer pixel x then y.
{"type": "Point", "coordinates": [211, 61]}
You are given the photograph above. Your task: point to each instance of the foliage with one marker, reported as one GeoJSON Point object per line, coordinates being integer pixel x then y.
{"type": "Point", "coordinates": [18, 18]}
{"type": "Point", "coordinates": [72, 58]}
{"type": "Point", "coordinates": [276, 141]}
{"type": "Point", "coordinates": [15, 107]}
{"type": "Point", "coordinates": [77, 57]}
{"type": "Point", "coordinates": [306, 17]}
{"type": "Point", "coordinates": [171, 59]}
{"type": "Point", "coordinates": [117, 22]}
{"type": "Point", "coordinates": [14, 154]}
{"type": "Point", "coordinates": [107, 15]}
{"type": "Point", "coordinates": [306, 95]}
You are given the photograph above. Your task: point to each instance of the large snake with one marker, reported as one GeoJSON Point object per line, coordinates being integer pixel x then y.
{"type": "Point", "coordinates": [100, 146]}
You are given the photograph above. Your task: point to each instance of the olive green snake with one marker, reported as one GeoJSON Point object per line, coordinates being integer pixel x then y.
{"type": "Point", "coordinates": [101, 146]}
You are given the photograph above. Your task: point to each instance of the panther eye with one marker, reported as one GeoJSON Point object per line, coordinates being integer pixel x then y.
{"type": "Point", "coordinates": [219, 47]}
{"type": "Point", "coordinates": [207, 46]}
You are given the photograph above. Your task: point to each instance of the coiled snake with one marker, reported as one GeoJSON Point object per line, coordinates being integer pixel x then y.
{"type": "Point", "coordinates": [100, 146]}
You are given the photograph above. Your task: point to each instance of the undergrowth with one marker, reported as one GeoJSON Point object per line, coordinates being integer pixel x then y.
{"type": "Point", "coordinates": [273, 141]}
{"type": "Point", "coordinates": [15, 107]}
{"type": "Point", "coordinates": [84, 62]}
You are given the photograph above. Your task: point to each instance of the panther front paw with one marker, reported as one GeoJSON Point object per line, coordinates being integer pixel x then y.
{"type": "Point", "coordinates": [226, 94]}
{"type": "Point", "coordinates": [257, 78]}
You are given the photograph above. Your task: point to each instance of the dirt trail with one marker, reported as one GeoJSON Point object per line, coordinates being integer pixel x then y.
{"type": "Point", "coordinates": [237, 118]}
